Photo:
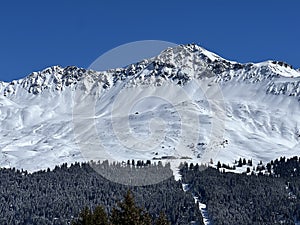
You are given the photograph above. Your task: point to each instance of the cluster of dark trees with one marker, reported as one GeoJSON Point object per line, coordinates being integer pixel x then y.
{"type": "Point", "coordinates": [133, 173]}
{"type": "Point", "coordinates": [241, 162]}
{"type": "Point", "coordinates": [57, 196]}
{"type": "Point", "coordinates": [248, 199]}
{"type": "Point", "coordinates": [125, 213]}
{"type": "Point", "coordinates": [285, 167]}
{"type": "Point", "coordinates": [83, 192]}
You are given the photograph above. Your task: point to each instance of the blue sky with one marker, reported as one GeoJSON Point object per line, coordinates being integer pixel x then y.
{"type": "Point", "coordinates": [37, 34]}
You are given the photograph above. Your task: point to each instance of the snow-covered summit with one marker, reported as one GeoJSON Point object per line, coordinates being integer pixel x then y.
{"type": "Point", "coordinates": [179, 64]}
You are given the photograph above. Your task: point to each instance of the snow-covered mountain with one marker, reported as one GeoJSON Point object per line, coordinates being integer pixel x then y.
{"type": "Point", "coordinates": [186, 103]}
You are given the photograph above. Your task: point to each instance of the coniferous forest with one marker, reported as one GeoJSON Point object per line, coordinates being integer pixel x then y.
{"type": "Point", "coordinates": [266, 198]}
{"type": "Point", "coordinates": [76, 194]}
{"type": "Point", "coordinates": [58, 196]}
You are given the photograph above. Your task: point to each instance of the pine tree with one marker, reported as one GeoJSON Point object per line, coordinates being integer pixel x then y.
{"type": "Point", "coordinates": [162, 220]}
{"type": "Point", "coordinates": [250, 162]}
{"type": "Point", "coordinates": [99, 216]}
{"type": "Point", "coordinates": [240, 163]}
{"type": "Point", "coordinates": [127, 213]}
{"type": "Point", "coordinates": [85, 217]}
{"type": "Point", "coordinates": [219, 165]}
{"type": "Point", "coordinates": [146, 219]}
{"type": "Point", "coordinates": [191, 166]}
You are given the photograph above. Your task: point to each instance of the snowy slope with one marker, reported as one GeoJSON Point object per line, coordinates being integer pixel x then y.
{"type": "Point", "coordinates": [186, 102]}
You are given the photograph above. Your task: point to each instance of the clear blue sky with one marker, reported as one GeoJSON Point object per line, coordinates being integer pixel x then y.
{"type": "Point", "coordinates": [38, 34]}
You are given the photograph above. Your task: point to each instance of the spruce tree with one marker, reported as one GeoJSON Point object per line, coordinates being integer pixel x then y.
{"type": "Point", "coordinates": [99, 216]}
{"type": "Point", "coordinates": [85, 217]}
{"type": "Point", "coordinates": [127, 213]}
{"type": "Point", "coordinates": [146, 219]}
{"type": "Point", "coordinates": [162, 220]}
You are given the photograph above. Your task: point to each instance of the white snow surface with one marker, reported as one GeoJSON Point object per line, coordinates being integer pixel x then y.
{"type": "Point", "coordinates": [186, 102]}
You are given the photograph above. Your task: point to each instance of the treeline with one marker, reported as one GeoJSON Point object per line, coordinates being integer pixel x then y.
{"type": "Point", "coordinates": [57, 196]}
{"type": "Point", "coordinates": [254, 199]}
{"type": "Point", "coordinates": [135, 173]}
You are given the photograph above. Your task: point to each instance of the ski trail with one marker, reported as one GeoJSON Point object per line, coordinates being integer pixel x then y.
{"type": "Point", "coordinates": [202, 206]}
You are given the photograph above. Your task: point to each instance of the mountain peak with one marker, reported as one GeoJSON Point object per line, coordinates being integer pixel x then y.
{"type": "Point", "coordinates": [54, 77]}
{"type": "Point", "coordinates": [178, 64]}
